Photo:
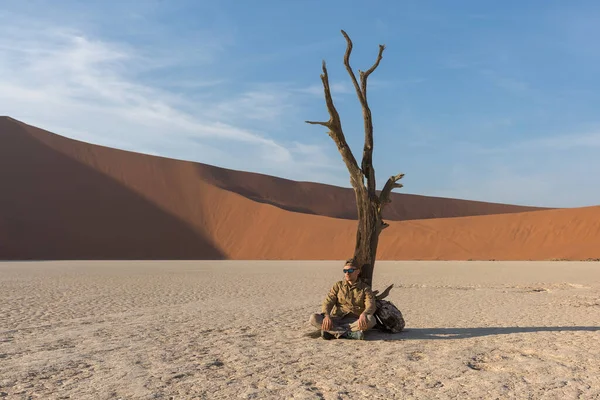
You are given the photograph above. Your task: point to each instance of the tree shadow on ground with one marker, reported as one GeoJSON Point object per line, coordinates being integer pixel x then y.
{"type": "Point", "coordinates": [466, 333]}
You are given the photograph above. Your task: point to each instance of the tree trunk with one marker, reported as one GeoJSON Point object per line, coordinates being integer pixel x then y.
{"type": "Point", "coordinates": [367, 235]}
{"type": "Point", "coordinates": [369, 205]}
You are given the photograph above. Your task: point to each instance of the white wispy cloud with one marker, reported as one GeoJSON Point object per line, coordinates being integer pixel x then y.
{"type": "Point", "coordinates": [510, 84]}
{"type": "Point", "coordinates": [336, 88]}
{"type": "Point", "coordinates": [378, 83]}
{"type": "Point", "coordinates": [553, 171]}
{"type": "Point", "coordinates": [548, 183]}
{"type": "Point", "coordinates": [563, 142]}
{"type": "Point", "coordinates": [87, 88]}
{"type": "Point", "coordinates": [556, 143]}
{"type": "Point", "coordinates": [346, 88]}
{"type": "Point", "coordinates": [266, 104]}
{"type": "Point", "coordinates": [502, 184]}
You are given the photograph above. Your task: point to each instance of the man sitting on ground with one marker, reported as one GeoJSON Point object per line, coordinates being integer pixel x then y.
{"type": "Point", "coordinates": [348, 308]}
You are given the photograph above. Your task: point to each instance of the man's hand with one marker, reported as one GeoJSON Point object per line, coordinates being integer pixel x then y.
{"type": "Point", "coordinates": [362, 322]}
{"type": "Point", "coordinates": [327, 323]}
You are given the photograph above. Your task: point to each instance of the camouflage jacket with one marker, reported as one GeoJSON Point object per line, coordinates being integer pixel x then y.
{"type": "Point", "coordinates": [344, 298]}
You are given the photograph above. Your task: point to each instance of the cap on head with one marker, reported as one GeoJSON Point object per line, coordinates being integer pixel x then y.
{"type": "Point", "coordinates": [353, 263]}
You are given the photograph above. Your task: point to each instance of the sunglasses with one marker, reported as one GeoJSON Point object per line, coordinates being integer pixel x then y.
{"type": "Point", "coordinates": [350, 270]}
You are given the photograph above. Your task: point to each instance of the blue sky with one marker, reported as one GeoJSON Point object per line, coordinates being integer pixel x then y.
{"type": "Point", "coordinates": [492, 101]}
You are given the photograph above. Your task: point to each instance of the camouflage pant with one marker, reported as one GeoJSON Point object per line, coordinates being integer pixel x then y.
{"type": "Point", "coordinates": [341, 324]}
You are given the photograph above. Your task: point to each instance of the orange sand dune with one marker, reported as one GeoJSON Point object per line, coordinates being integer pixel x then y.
{"type": "Point", "coordinates": [337, 202]}
{"type": "Point", "coordinates": [64, 199]}
{"type": "Point", "coordinates": [271, 233]}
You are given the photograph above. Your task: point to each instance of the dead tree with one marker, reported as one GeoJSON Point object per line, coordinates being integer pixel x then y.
{"type": "Point", "coordinates": [369, 202]}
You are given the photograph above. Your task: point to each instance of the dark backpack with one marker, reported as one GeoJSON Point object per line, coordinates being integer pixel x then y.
{"type": "Point", "coordinates": [389, 318]}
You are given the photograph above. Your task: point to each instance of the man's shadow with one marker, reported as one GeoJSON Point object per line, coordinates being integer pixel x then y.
{"type": "Point", "coordinates": [465, 333]}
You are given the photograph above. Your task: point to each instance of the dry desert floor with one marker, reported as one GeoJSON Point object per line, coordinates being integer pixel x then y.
{"type": "Point", "coordinates": [238, 329]}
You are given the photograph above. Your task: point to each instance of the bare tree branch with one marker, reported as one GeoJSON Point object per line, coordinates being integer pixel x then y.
{"type": "Point", "coordinates": [367, 159]}
{"type": "Point", "coordinates": [385, 293]}
{"type": "Point", "coordinates": [384, 196]}
{"type": "Point", "coordinates": [365, 75]}
{"type": "Point", "coordinates": [325, 124]}
{"type": "Point", "coordinates": [349, 69]}
{"type": "Point", "coordinates": [336, 133]}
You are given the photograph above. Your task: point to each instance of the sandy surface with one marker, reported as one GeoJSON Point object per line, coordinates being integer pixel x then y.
{"type": "Point", "coordinates": [234, 329]}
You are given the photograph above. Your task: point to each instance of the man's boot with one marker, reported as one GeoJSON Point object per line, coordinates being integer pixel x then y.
{"type": "Point", "coordinates": [356, 335]}
{"type": "Point", "coordinates": [326, 335]}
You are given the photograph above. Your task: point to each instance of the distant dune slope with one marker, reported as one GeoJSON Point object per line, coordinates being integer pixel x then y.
{"type": "Point", "coordinates": [338, 202]}
{"type": "Point", "coordinates": [65, 199]}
